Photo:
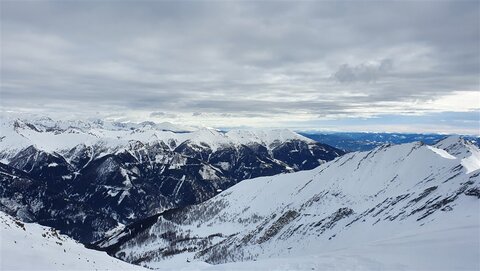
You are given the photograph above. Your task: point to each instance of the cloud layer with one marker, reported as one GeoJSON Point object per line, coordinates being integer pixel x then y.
{"type": "Point", "coordinates": [251, 62]}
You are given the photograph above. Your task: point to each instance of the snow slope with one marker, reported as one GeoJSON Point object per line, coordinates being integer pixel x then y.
{"type": "Point", "coordinates": [392, 208]}
{"type": "Point", "coordinates": [26, 246]}
{"type": "Point", "coordinates": [446, 249]}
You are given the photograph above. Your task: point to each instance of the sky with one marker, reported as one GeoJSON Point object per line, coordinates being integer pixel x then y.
{"type": "Point", "coordinates": [410, 66]}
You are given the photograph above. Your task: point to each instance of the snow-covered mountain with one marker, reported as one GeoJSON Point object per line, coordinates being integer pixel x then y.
{"type": "Point", "coordinates": [61, 136]}
{"type": "Point", "coordinates": [29, 246]}
{"type": "Point", "coordinates": [88, 177]}
{"type": "Point", "coordinates": [410, 206]}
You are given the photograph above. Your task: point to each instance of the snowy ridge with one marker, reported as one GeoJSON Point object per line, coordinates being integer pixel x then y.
{"type": "Point", "coordinates": [28, 246]}
{"type": "Point", "coordinates": [407, 203]}
{"type": "Point", "coordinates": [61, 136]}
{"type": "Point", "coordinates": [461, 149]}
{"type": "Point", "coordinates": [264, 137]}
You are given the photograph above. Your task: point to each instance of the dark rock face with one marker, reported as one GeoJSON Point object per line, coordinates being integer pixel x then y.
{"type": "Point", "coordinates": [20, 195]}
{"type": "Point", "coordinates": [90, 190]}
{"type": "Point", "coordinates": [475, 192]}
{"type": "Point", "coordinates": [40, 164]}
{"type": "Point", "coordinates": [300, 155]}
{"type": "Point", "coordinates": [246, 162]}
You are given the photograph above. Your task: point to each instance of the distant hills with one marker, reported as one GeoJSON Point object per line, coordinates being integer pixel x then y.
{"type": "Point", "coordinates": [363, 141]}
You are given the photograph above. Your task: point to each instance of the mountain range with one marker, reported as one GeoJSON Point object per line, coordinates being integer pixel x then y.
{"type": "Point", "coordinates": [365, 141]}
{"type": "Point", "coordinates": [87, 178]}
{"type": "Point", "coordinates": [174, 197]}
{"type": "Point", "coordinates": [394, 207]}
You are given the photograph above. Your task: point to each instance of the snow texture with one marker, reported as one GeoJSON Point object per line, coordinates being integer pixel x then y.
{"type": "Point", "coordinates": [28, 246]}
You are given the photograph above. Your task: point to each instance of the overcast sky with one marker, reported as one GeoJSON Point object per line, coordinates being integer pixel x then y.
{"type": "Point", "coordinates": [396, 66]}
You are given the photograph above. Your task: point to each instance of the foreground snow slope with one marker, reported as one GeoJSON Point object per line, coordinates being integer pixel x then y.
{"type": "Point", "coordinates": [454, 248]}
{"type": "Point", "coordinates": [26, 246]}
{"type": "Point", "coordinates": [394, 207]}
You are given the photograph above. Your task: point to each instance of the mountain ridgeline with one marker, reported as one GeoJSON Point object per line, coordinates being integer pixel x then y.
{"type": "Point", "coordinates": [395, 205]}
{"type": "Point", "coordinates": [89, 178]}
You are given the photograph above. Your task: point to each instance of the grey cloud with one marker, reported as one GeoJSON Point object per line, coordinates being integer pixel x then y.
{"type": "Point", "coordinates": [254, 108]}
{"type": "Point", "coordinates": [162, 115]}
{"type": "Point", "coordinates": [365, 72]}
{"type": "Point", "coordinates": [259, 58]}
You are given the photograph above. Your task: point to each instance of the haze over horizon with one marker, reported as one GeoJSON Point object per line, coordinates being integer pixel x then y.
{"type": "Point", "coordinates": [340, 66]}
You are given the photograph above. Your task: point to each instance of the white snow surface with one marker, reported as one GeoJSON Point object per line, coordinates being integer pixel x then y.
{"type": "Point", "coordinates": [29, 247]}
{"type": "Point", "coordinates": [442, 153]}
{"type": "Point", "coordinates": [472, 162]}
{"type": "Point", "coordinates": [447, 249]}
